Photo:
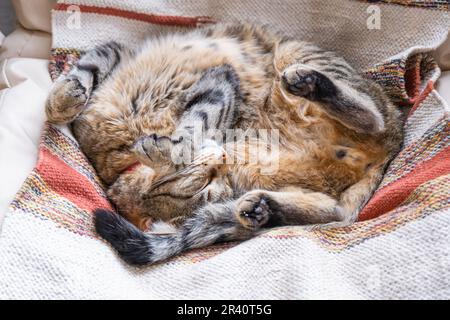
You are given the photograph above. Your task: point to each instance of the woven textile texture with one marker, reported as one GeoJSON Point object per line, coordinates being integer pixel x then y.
{"type": "Point", "coordinates": [400, 246]}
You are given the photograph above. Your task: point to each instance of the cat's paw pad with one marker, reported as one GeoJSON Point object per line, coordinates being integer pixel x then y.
{"type": "Point", "coordinates": [67, 99]}
{"type": "Point", "coordinates": [253, 210]}
{"type": "Point", "coordinates": [153, 149]}
{"type": "Point", "coordinates": [307, 83]}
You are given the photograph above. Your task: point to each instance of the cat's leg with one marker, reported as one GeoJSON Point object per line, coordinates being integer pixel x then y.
{"type": "Point", "coordinates": [291, 206]}
{"type": "Point", "coordinates": [230, 221]}
{"type": "Point", "coordinates": [328, 80]}
{"type": "Point", "coordinates": [359, 103]}
{"type": "Point", "coordinates": [211, 107]}
{"type": "Point", "coordinates": [354, 198]}
{"type": "Point", "coordinates": [234, 220]}
{"type": "Point", "coordinates": [298, 206]}
{"type": "Point", "coordinates": [71, 92]}
{"type": "Point", "coordinates": [218, 222]}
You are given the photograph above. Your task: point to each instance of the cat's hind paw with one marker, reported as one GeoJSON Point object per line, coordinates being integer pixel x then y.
{"type": "Point", "coordinates": [307, 83]}
{"type": "Point", "coordinates": [253, 210]}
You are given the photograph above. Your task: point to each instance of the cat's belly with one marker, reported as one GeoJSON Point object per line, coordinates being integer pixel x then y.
{"type": "Point", "coordinates": [317, 157]}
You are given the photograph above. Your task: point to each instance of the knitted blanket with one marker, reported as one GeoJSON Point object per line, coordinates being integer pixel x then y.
{"type": "Point", "coordinates": [399, 248]}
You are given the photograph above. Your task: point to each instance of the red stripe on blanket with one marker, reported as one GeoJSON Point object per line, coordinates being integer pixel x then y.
{"type": "Point", "coordinates": [417, 101]}
{"type": "Point", "coordinates": [150, 18]}
{"type": "Point", "coordinates": [412, 77]}
{"type": "Point", "coordinates": [413, 81]}
{"type": "Point", "coordinates": [69, 183]}
{"type": "Point", "coordinates": [392, 196]}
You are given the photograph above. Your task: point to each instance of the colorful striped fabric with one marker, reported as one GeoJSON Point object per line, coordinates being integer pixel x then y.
{"type": "Point", "coordinates": [398, 248]}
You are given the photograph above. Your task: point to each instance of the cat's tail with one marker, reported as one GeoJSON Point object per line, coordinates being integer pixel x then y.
{"type": "Point", "coordinates": [211, 224]}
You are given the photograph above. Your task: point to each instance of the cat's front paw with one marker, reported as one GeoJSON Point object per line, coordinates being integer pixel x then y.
{"type": "Point", "coordinates": [253, 210]}
{"type": "Point", "coordinates": [153, 150]}
{"type": "Point", "coordinates": [67, 99]}
{"type": "Point", "coordinates": [307, 83]}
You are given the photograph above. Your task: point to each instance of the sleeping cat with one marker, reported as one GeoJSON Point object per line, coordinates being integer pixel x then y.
{"type": "Point", "coordinates": [133, 112]}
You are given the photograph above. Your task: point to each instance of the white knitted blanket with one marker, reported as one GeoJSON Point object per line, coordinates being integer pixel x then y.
{"type": "Point", "coordinates": [399, 248]}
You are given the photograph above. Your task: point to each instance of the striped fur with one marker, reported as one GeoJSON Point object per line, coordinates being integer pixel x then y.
{"type": "Point", "coordinates": [337, 133]}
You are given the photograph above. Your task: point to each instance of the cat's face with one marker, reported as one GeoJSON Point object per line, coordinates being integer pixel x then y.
{"type": "Point", "coordinates": [179, 192]}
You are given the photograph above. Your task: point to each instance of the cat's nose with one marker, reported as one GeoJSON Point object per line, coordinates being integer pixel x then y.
{"type": "Point", "coordinates": [213, 157]}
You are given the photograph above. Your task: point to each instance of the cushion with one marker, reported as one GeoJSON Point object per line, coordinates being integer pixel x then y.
{"type": "Point", "coordinates": [26, 43]}
{"type": "Point", "coordinates": [21, 120]}
{"type": "Point", "coordinates": [34, 15]}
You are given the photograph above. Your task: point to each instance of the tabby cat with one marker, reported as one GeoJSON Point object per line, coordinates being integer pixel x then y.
{"type": "Point", "coordinates": [133, 109]}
